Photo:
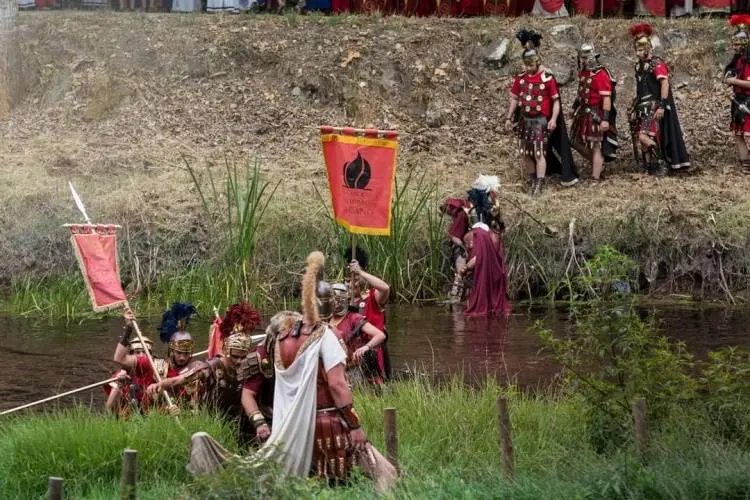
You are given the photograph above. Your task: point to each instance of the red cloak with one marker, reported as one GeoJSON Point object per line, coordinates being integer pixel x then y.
{"type": "Point", "coordinates": [489, 294]}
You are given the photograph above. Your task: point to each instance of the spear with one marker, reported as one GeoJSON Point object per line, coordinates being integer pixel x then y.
{"type": "Point", "coordinates": [58, 396]}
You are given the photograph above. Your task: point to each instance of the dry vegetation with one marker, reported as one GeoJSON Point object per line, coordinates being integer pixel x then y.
{"type": "Point", "coordinates": [113, 101]}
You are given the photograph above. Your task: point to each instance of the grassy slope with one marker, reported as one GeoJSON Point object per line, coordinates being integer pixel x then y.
{"type": "Point", "coordinates": [112, 101]}
{"type": "Point", "coordinates": [448, 449]}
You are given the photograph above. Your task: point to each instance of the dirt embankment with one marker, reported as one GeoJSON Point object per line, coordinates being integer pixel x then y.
{"type": "Point", "coordinates": [113, 102]}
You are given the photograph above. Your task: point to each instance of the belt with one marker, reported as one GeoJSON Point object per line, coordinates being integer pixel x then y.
{"type": "Point", "coordinates": [323, 410]}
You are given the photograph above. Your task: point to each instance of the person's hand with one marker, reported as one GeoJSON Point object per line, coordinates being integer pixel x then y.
{"type": "Point", "coordinates": [359, 354]}
{"type": "Point", "coordinates": [358, 439]}
{"type": "Point", "coordinates": [129, 315]}
{"type": "Point", "coordinates": [263, 432]}
{"type": "Point", "coordinates": [552, 125]}
{"type": "Point", "coordinates": [123, 378]}
{"type": "Point", "coordinates": [659, 114]}
{"type": "Point", "coordinates": [355, 268]}
{"type": "Point", "coordinates": [173, 410]}
{"type": "Point", "coordinates": [604, 126]}
{"type": "Point", "coordinates": [731, 80]}
{"type": "Point", "coordinates": [508, 125]}
{"type": "Point", "coordinates": [153, 389]}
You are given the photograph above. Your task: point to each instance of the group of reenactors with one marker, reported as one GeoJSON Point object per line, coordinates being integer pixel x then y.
{"type": "Point", "coordinates": [240, 381]}
{"type": "Point", "coordinates": [535, 111]}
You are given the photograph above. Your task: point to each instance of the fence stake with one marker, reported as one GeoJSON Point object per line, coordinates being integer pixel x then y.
{"type": "Point", "coordinates": [55, 488]}
{"type": "Point", "coordinates": [391, 436]}
{"type": "Point", "coordinates": [641, 426]}
{"type": "Point", "coordinates": [506, 442]}
{"type": "Point", "coordinates": [129, 474]}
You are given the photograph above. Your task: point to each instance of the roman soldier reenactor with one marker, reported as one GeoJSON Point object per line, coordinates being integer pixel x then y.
{"type": "Point", "coordinates": [535, 108]}
{"type": "Point", "coordinates": [179, 355]}
{"type": "Point", "coordinates": [593, 131]}
{"type": "Point", "coordinates": [737, 75]}
{"type": "Point", "coordinates": [657, 136]}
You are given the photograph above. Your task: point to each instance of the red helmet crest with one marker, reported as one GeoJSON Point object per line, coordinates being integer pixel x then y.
{"type": "Point", "coordinates": [641, 29]}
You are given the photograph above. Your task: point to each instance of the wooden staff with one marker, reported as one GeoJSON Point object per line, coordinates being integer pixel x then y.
{"type": "Point", "coordinates": [58, 396]}
{"type": "Point", "coordinates": [170, 404]}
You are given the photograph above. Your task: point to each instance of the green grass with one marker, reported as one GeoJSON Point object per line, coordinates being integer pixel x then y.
{"type": "Point", "coordinates": [447, 447]}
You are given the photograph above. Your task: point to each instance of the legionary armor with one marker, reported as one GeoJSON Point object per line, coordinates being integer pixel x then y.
{"type": "Point", "coordinates": [536, 95]}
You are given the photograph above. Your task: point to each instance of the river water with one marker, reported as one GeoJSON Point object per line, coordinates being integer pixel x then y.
{"type": "Point", "coordinates": [38, 360]}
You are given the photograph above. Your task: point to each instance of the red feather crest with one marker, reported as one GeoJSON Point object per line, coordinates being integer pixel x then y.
{"type": "Point", "coordinates": [641, 29]}
{"type": "Point", "coordinates": [739, 20]}
{"type": "Point", "coordinates": [242, 314]}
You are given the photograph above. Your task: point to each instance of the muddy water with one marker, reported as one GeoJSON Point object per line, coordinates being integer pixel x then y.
{"type": "Point", "coordinates": [37, 361]}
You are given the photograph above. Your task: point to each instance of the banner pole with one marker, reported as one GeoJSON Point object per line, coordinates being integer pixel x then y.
{"type": "Point", "coordinates": [354, 248]}
{"type": "Point", "coordinates": [170, 404]}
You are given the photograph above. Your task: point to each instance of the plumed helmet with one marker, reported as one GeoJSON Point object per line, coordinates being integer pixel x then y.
{"type": "Point", "coordinates": [641, 35]}
{"type": "Point", "coordinates": [172, 328]}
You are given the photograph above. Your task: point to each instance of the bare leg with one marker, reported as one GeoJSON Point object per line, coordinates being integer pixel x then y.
{"type": "Point", "coordinates": [597, 162]}
{"type": "Point", "coordinates": [742, 150]}
{"type": "Point", "coordinates": [541, 167]}
{"type": "Point", "coordinates": [457, 287]}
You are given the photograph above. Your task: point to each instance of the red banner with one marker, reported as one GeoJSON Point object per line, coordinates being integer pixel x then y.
{"type": "Point", "coordinates": [96, 250]}
{"type": "Point", "coordinates": [361, 167]}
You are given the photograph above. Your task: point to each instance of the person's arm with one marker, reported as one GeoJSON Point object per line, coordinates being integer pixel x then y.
{"type": "Point", "coordinates": [745, 84]}
{"type": "Point", "coordinates": [122, 352]}
{"type": "Point", "coordinates": [511, 110]}
{"type": "Point", "coordinates": [382, 290]}
{"type": "Point", "coordinates": [344, 400]}
{"type": "Point", "coordinates": [376, 336]}
{"type": "Point", "coordinates": [607, 107]}
{"type": "Point", "coordinates": [470, 265]}
{"type": "Point", "coordinates": [250, 406]}
{"type": "Point", "coordinates": [198, 372]}
{"type": "Point", "coordinates": [113, 400]}
{"type": "Point", "coordinates": [456, 241]}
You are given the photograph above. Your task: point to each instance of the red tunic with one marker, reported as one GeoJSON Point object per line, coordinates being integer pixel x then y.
{"type": "Point", "coordinates": [536, 94]}
{"type": "Point", "coordinates": [375, 315]}
{"type": "Point", "coordinates": [593, 87]}
{"type": "Point", "coordinates": [346, 327]}
{"type": "Point", "coordinates": [742, 70]}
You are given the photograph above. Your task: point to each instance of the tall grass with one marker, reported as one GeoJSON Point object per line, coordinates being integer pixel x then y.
{"type": "Point", "coordinates": [85, 450]}
{"type": "Point", "coordinates": [448, 449]}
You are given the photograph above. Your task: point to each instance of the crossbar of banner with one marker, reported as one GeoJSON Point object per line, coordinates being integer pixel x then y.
{"type": "Point", "coordinates": [367, 132]}
{"type": "Point", "coordinates": [116, 226]}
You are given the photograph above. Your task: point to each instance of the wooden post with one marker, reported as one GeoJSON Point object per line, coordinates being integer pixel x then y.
{"type": "Point", "coordinates": [55, 488]}
{"type": "Point", "coordinates": [129, 474]}
{"type": "Point", "coordinates": [391, 436]}
{"type": "Point", "coordinates": [641, 426]}
{"type": "Point", "coordinates": [506, 442]}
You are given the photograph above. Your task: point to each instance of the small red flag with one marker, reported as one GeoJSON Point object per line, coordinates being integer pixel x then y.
{"type": "Point", "coordinates": [361, 167]}
{"type": "Point", "coordinates": [96, 250]}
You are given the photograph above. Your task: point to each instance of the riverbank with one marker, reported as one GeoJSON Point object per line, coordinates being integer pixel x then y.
{"type": "Point", "coordinates": [117, 102]}
{"type": "Point", "coordinates": [448, 448]}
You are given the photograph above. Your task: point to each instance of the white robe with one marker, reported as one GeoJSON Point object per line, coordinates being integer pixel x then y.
{"type": "Point", "coordinates": [294, 405]}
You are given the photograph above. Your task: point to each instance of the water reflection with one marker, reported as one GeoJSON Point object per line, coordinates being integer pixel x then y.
{"type": "Point", "coordinates": [39, 361]}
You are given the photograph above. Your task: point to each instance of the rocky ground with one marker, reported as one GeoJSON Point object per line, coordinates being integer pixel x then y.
{"type": "Point", "coordinates": [115, 102]}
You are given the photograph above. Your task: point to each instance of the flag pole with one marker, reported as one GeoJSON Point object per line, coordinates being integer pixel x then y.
{"type": "Point", "coordinates": [171, 407]}
{"type": "Point", "coordinates": [58, 396]}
